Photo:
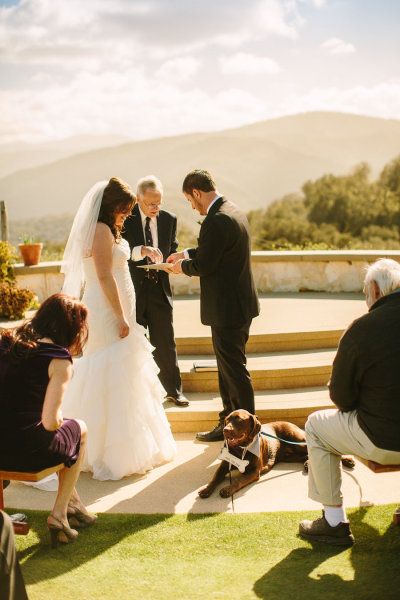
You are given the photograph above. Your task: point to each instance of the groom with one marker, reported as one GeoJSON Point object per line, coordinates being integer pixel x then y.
{"type": "Point", "coordinates": [228, 299]}
{"type": "Point", "coordinates": [151, 234]}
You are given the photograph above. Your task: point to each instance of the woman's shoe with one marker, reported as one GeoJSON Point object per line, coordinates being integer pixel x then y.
{"type": "Point", "coordinates": [77, 518]}
{"type": "Point", "coordinates": [60, 533]}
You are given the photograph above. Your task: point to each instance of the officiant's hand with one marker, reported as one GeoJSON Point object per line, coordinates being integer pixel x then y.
{"type": "Point", "coordinates": [154, 254]}
{"type": "Point", "coordinates": [176, 267]}
{"type": "Point", "coordinates": [173, 258]}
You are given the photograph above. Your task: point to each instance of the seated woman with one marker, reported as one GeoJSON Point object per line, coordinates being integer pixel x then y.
{"type": "Point", "coordinates": [35, 367]}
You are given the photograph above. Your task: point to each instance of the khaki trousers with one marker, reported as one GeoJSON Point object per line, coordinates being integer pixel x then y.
{"type": "Point", "coordinates": [329, 434]}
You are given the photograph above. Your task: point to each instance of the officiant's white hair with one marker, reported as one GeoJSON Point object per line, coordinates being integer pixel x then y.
{"type": "Point", "coordinates": [150, 182]}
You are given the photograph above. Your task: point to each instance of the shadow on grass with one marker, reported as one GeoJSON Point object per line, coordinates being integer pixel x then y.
{"type": "Point", "coordinates": [40, 562]}
{"type": "Point", "coordinates": [374, 558]}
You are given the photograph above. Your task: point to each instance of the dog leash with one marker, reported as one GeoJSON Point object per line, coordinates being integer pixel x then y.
{"type": "Point", "coordinates": [281, 440]}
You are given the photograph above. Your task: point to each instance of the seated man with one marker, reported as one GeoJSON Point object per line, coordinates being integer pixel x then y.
{"type": "Point", "coordinates": [365, 387]}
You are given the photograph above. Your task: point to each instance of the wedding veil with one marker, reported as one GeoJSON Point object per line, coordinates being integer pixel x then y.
{"type": "Point", "coordinates": [80, 241]}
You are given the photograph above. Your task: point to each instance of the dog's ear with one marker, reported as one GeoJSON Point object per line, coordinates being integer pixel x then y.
{"type": "Point", "coordinates": [256, 426]}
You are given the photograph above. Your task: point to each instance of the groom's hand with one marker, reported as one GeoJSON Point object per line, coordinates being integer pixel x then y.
{"type": "Point", "coordinates": [176, 267]}
{"type": "Point", "coordinates": [154, 254]}
{"type": "Point", "coordinates": [172, 258]}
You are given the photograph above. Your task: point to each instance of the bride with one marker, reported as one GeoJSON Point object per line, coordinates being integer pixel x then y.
{"type": "Point", "coordinates": [115, 388]}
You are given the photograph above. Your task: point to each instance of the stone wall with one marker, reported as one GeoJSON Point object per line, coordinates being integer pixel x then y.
{"type": "Point", "coordinates": [285, 271]}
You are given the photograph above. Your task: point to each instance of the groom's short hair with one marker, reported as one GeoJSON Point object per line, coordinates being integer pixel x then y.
{"type": "Point", "coordinates": [199, 179]}
{"type": "Point", "coordinates": [150, 182]}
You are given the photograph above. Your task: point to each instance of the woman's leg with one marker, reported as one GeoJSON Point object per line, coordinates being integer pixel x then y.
{"type": "Point", "coordinates": [67, 480]}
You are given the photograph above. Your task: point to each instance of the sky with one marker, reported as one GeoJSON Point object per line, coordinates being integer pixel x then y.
{"type": "Point", "coordinates": [154, 68]}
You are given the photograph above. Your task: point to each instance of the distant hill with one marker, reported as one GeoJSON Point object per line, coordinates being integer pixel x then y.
{"type": "Point", "coordinates": [19, 155]}
{"type": "Point", "coordinates": [252, 165]}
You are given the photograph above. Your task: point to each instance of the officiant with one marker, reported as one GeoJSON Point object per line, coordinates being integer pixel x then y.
{"type": "Point", "coordinates": [151, 233]}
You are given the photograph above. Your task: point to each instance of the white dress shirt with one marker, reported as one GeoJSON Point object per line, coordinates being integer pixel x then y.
{"type": "Point", "coordinates": [137, 250]}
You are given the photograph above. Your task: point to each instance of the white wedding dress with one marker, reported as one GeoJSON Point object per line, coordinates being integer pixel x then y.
{"type": "Point", "coordinates": [115, 388]}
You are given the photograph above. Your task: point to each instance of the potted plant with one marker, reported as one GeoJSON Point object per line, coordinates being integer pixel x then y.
{"type": "Point", "coordinates": [30, 251]}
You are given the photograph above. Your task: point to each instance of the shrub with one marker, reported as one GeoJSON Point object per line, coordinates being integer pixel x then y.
{"type": "Point", "coordinates": [14, 302]}
{"type": "Point", "coordinates": [7, 257]}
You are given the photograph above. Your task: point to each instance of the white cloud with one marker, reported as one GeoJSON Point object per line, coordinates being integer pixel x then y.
{"type": "Point", "coordinates": [381, 100]}
{"type": "Point", "coordinates": [337, 46]}
{"type": "Point", "coordinates": [179, 69]}
{"type": "Point", "coordinates": [319, 3]}
{"type": "Point", "coordinates": [248, 64]}
{"type": "Point", "coordinates": [135, 104]}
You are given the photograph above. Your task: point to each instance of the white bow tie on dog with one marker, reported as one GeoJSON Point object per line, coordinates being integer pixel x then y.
{"type": "Point", "coordinates": [240, 463]}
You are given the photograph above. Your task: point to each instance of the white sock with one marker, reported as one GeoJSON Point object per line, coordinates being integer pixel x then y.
{"type": "Point", "coordinates": [335, 515]}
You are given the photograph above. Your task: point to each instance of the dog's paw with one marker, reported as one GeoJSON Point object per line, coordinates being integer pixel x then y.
{"type": "Point", "coordinates": [226, 492]}
{"type": "Point", "coordinates": [348, 462]}
{"type": "Point", "coordinates": [205, 492]}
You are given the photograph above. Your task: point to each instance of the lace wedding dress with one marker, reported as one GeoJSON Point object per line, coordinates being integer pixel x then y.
{"type": "Point", "coordinates": [115, 388]}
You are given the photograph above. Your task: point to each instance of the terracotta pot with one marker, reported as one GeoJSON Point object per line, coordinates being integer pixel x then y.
{"type": "Point", "coordinates": [30, 253]}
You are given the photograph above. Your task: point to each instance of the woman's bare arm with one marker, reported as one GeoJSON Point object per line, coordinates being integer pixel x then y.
{"type": "Point", "coordinates": [102, 256]}
{"type": "Point", "coordinates": [60, 372]}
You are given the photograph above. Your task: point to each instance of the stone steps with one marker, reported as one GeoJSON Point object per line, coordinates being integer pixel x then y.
{"type": "Point", "coordinates": [290, 405]}
{"type": "Point", "coordinates": [269, 371]}
{"type": "Point", "coordinates": [265, 342]}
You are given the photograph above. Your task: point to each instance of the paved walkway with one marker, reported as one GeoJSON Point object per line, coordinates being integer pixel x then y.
{"type": "Point", "coordinates": [280, 313]}
{"type": "Point", "coordinates": [172, 488]}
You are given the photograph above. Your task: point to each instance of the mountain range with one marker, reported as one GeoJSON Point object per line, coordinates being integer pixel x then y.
{"type": "Point", "coordinates": [252, 165]}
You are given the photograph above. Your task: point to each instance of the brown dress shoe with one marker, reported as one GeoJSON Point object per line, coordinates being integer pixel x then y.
{"type": "Point", "coordinates": [320, 531]}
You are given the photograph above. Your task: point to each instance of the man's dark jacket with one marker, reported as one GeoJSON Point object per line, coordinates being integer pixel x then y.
{"type": "Point", "coordinates": [222, 260]}
{"type": "Point", "coordinates": [366, 372]}
{"type": "Point", "coordinates": [167, 243]}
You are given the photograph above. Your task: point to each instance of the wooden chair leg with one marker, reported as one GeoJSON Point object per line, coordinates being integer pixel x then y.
{"type": "Point", "coordinates": [20, 528]}
{"type": "Point", "coordinates": [1, 495]}
{"type": "Point", "coordinates": [396, 516]}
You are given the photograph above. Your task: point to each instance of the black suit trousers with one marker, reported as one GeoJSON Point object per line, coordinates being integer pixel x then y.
{"type": "Point", "coordinates": [234, 379]}
{"type": "Point", "coordinates": [154, 311]}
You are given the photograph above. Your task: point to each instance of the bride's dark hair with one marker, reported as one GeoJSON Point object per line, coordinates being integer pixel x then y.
{"type": "Point", "coordinates": [117, 197]}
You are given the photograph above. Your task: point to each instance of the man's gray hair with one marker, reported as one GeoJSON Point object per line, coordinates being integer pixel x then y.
{"type": "Point", "coordinates": [150, 182]}
{"type": "Point", "coordinates": [386, 273]}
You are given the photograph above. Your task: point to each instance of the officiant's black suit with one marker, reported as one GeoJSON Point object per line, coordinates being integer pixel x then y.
{"type": "Point", "coordinates": [154, 296]}
{"type": "Point", "coordinates": [228, 298]}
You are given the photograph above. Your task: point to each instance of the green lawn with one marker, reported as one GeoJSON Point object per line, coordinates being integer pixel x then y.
{"type": "Point", "coordinates": [235, 557]}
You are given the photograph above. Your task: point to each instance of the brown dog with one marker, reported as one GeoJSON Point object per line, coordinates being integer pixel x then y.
{"type": "Point", "coordinates": [241, 431]}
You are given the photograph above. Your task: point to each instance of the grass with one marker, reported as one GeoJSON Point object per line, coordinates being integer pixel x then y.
{"type": "Point", "coordinates": [235, 557]}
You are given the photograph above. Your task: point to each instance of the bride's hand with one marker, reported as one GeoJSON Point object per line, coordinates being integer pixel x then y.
{"type": "Point", "coordinates": [123, 327]}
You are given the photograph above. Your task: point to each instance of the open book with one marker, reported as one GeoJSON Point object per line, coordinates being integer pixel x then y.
{"type": "Point", "coordinates": [205, 365]}
{"type": "Point", "coordinates": [156, 267]}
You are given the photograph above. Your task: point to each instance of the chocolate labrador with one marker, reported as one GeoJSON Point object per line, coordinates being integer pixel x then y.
{"type": "Point", "coordinates": [255, 454]}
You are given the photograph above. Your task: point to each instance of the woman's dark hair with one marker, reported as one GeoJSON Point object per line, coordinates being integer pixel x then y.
{"type": "Point", "coordinates": [61, 318]}
{"type": "Point", "coordinates": [117, 197]}
{"type": "Point", "coordinates": [198, 180]}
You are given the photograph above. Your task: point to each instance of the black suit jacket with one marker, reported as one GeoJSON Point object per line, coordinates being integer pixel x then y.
{"type": "Point", "coordinates": [167, 243]}
{"type": "Point", "coordinates": [222, 260]}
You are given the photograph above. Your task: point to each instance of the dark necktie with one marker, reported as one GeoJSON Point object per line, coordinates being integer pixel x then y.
{"type": "Point", "coordinates": [153, 275]}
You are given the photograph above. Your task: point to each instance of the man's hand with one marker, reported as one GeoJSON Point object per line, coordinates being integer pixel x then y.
{"type": "Point", "coordinates": [154, 254]}
{"type": "Point", "coordinates": [177, 267]}
{"type": "Point", "coordinates": [173, 258]}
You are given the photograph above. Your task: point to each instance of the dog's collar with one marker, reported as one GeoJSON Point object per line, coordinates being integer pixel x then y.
{"type": "Point", "coordinates": [254, 447]}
